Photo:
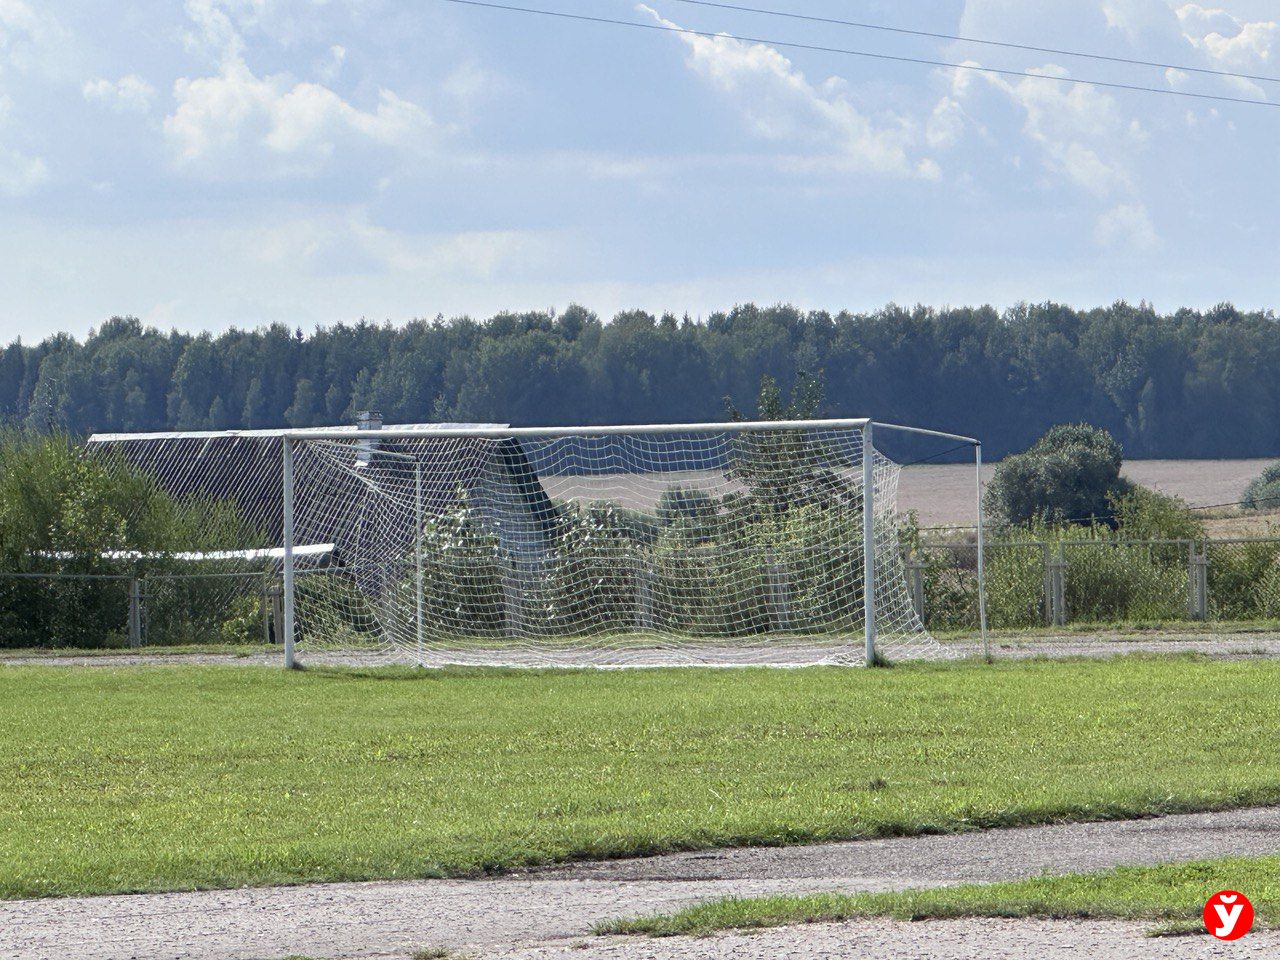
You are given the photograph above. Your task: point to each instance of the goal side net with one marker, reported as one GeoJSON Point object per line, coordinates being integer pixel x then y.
{"type": "Point", "coordinates": [644, 546]}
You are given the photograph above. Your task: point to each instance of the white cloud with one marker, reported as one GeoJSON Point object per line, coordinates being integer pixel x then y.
{"type": "Point", "coordinates": [928, 169]}
{"type": "Point", "coordinates": [346, 243]}
{"type": "Point", "coordinates": [1141, 21]}
{"type": "Point", "coordinates": [219, 25]}
{"type": "Point", "coordinates": [329, 68]}
{"type": "Point", "coordinates": [236, 124]}
{"type": "Point", "coordinates": [20, 174]}
{"type": "Point", "coordinates": [1229, 42]}
{"type": "Point", "coordinates": [946, 123]}
{"type": "Point", "coordinates": [1127, 226]}
{"type": "Point", "coordinates": [223, 122]}
{"type": "Point", "coordinates": [21, 32]}
{"type": "Point", "coordinates": [1083, 135]}
{"type": "Point", "coordinates": [128, 94]}
{"type": "Point", "coordinates": [780, 104]}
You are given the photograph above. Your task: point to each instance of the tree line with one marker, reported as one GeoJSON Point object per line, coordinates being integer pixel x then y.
{"type": "Point", "coordinates": [1184, 384]}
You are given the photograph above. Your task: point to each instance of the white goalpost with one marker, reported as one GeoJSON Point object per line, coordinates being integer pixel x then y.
{"type": "Point", "coordinates": [742, 543]}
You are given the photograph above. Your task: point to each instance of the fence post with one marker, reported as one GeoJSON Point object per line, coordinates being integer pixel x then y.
{"type": "Point", "coordinates": [289, 599]}
{"type": "Point", "coordinates": [1193, 590]}
{"type": "Point", "coordinates": [511, 597]}
{"type": "Point", "coordinates": [644, 595]}
{"type": "Point", "coordinates": [277, 614]}
{"type": "Point", "coordinates": [779, 596]}
{"type": "Point", "coordinates": [135, 612]}
{"type": "Point", "coordinates": [1199, 580]}
{"type": "Point", "coordinates": [264, 607]}
{"type": "Point", "coordinates": [419, 623]}
{"type": "Point", "coordinates": [1058, 588]}
{"type": "Point", "coordinates": [915, 583]}
{"type": "Point", "coordinates": [1047, 567]}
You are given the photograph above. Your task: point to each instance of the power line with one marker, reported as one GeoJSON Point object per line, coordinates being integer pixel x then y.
{"type": "Point", "coordinates": [976, 40]}
{"type": "Point", "coordinates": [922, 61]}
{"type": "Point", "coordinates": [940, 453]}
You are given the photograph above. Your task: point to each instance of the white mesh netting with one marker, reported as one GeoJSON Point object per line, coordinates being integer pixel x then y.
{"type": "Point", "coordinates": [709, 546]}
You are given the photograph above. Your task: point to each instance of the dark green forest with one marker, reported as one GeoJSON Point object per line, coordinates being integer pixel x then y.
{"type": "Point", "coordinates": [1184, 384]}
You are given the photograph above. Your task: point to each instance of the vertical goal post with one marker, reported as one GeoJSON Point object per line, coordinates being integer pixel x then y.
{"type": "Point", "coordinates": [866, 427]}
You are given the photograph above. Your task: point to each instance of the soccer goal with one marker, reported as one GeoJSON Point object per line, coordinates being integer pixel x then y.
{"type": "Point", "coordinates": [440, 544]}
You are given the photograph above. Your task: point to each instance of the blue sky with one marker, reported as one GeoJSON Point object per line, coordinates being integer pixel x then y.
{"type": "Point", "coordinates": [236, 162]}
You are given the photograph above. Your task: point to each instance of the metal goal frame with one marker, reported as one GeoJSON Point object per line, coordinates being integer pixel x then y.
{"type": "Point", "coordinates": [290, 438]}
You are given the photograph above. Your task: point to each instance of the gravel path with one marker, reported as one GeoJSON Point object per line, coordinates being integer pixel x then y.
{"type": "Point", "coordinates": [935, 939]}
{"type": "Point", "coordinates": [541, 912]}
{"type": "Point", "coordinates": [1231, 646]}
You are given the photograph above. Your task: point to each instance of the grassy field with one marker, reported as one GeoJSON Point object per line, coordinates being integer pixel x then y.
{"type": "Point", "coordinates": [170, 777]}
{"type": "Point", "coordinates": [1173, 894]}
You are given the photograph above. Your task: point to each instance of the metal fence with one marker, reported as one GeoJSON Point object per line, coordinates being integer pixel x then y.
{"type": "Point", "coordinates": [1087, 581]}
{"type": "Point", "coordinates": [93, 610]}
{"type": "Point", "coordinates": [1031, 585]}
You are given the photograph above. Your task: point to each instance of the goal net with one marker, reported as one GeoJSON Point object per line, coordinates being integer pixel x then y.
{"type": "Point", "coordinates": [642, 546]}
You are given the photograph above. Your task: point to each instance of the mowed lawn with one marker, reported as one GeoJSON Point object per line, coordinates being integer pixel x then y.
{"type": "Point", "coordinates": [166, 777]}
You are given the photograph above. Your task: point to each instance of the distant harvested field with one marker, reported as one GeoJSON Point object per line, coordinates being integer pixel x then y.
{"type": "Point", "coordinates": [944, 493]}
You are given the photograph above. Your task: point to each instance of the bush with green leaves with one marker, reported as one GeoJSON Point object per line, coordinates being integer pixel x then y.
{"type": "Point", "coordinates": [1109, 581]}
{"type": "Point", "coordinates": [1015, 586]}
{"type": "Point", "coordinates": [1113, 571]}
{"type": "Point", "coordinates": [694, 510]}
{"type": "Point", "coordinates": [589, 583]}
{"type": "Point", "coordinates": [463, 567]}
{"type": "Point", "coordinates": [1145, 514]}
{"type": "Point", "coordinates": [1242, 576]}
{"type": "Point", "coordinates": [92, 522]}
{"type": "Point", "coordinates": [1071, 474]}
{"type": "Point", "coordinates": [1263, 492]}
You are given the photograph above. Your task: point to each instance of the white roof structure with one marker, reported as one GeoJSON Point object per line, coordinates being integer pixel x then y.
{"type": "Point", "coordinates": [300, 432]}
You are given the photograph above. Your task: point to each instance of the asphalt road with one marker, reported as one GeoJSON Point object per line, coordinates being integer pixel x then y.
{"type": "Point", "coordinates": [550, 913]}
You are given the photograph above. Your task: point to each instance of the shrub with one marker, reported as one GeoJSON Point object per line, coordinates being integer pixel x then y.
{"type": "Point", "coordinates": [1072, 473]}
{"type": "Point", "coordinates": [1240, 577]}
{"type": "Point", "coordinates": [1109, 581]}
{"type": "Point", "coordinates": [463, 569]}
{"type": "Point", "coordinates": [694, 508]}
{"type": "Point", "coordinates": [93, 521]}
{"type": "Point", "coordinates": [591, 580]}
{"type": "Point", "coordinates": [1015, 586]}
{"type": "Point", "coordinates": [1144, 514]}
{"type": "Point", "coordinates": [1263, 492]}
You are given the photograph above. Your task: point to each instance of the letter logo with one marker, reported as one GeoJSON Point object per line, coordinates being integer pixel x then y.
{"type": "Point", "coordinates": [1228, 915]}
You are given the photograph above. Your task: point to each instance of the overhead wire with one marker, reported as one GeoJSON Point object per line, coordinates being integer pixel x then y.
{"type": "Point", "coordinates": [867, 54]}
{"type": "Point", "coordinates": [1004, 44]}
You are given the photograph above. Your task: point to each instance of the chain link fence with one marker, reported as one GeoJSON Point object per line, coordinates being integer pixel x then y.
{"type": "Point", "coordinates": [1036, 584]}
{"type": "Point", "coordinates": [1032, 587]}
{"type": "Point", "coordinates": [122, 610]}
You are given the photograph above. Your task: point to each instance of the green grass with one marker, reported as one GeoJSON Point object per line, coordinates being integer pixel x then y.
{"type": "Point", "coordinates": [118, 779]}
{"type": "Point", "coordinates": [1174, 894]}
